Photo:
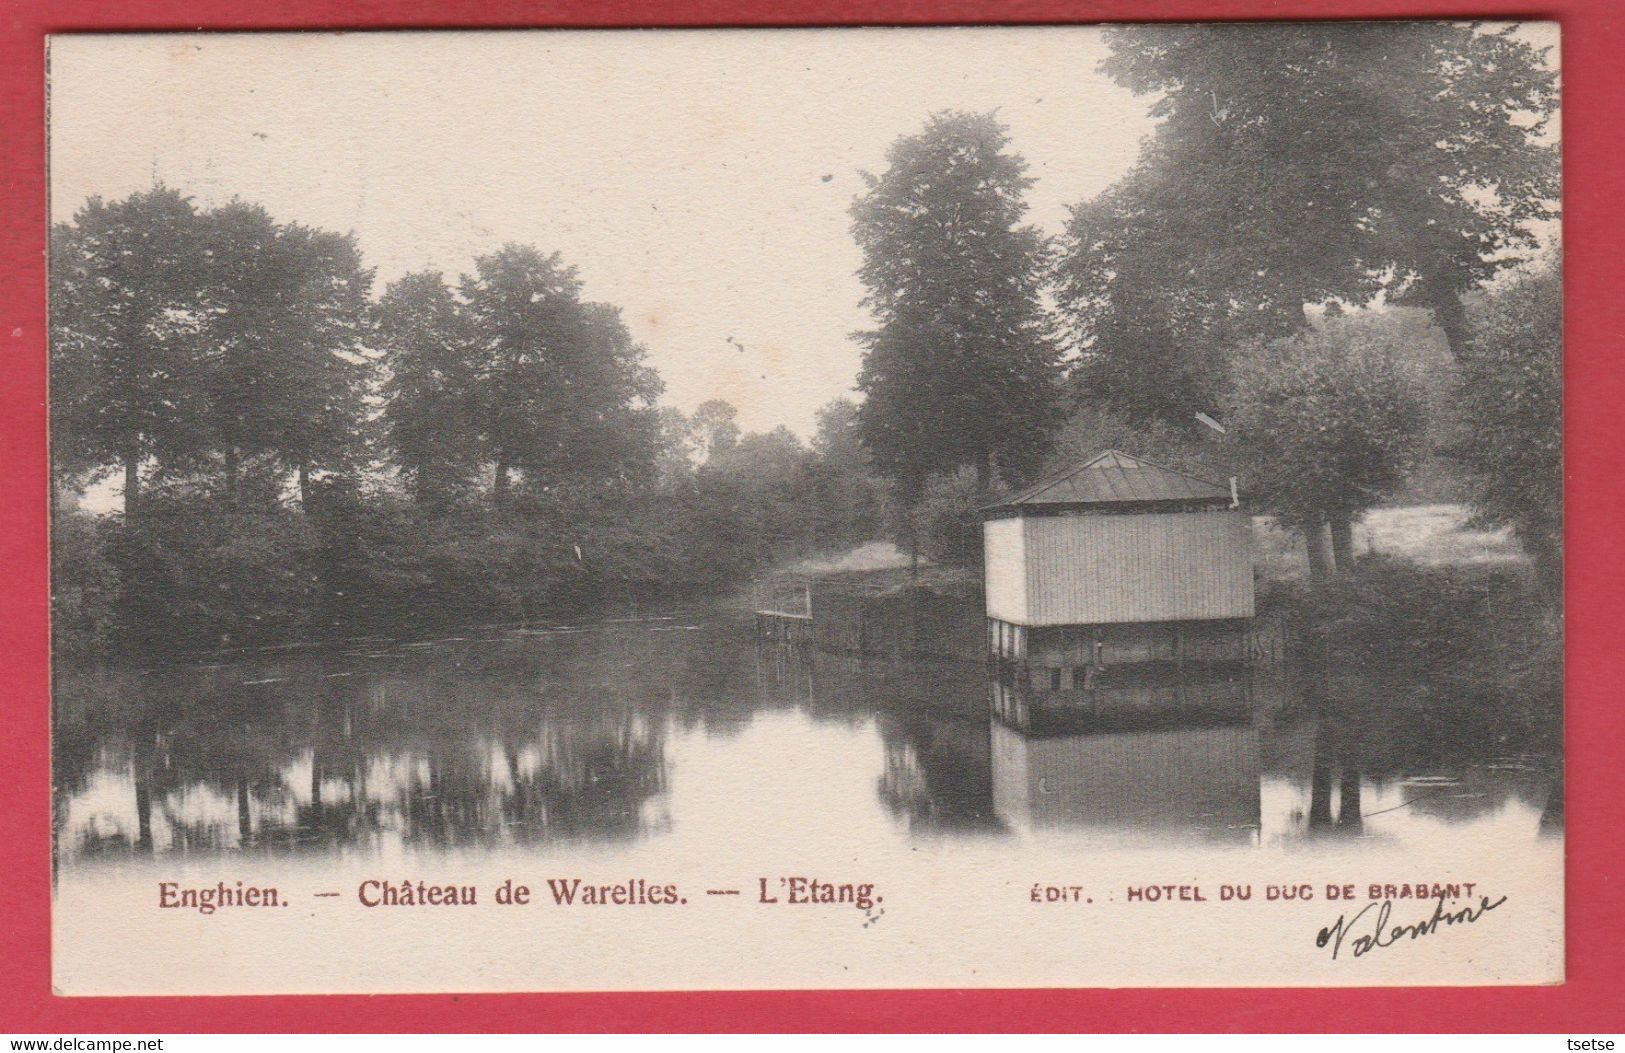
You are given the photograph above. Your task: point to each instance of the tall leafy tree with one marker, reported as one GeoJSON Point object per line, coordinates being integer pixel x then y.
{"type": "Point", "coordinates": [127, 313]}
{"type": "Point", "coordinates": [962, 368]}
{"type": "Point", "coordinates": [844, 500]}
{"type": "Point", "coordinates": [839, 438]}
{"type": "Point", "coordinates": [1510, 414]}
{"type": "Point", "coordinates": [564, 394]}
{"type": "Point", "coordinates": [1298, 164]}
{"type": "Point", "coordinates": [289, 366]}
{"type": "Point", "coordinates": [1328, 422]}
{"type": "Point", "coordinates": [325, 424]}
{"type": "Point", "coordinates": [430, 408]}
{"type": "Point", "coordinates": [679, 446]}
{"type": "Point", "coordinates": [716, 424]}
{"type": "Point", "coordinates": [758, 480]}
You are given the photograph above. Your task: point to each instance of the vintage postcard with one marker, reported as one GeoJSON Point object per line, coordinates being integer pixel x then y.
{"type": "Point", "coordinates": [828, 508]}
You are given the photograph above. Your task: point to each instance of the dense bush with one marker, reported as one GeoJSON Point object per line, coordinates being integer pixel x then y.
{"type": "Point", "coordinates": [946, 522]}
{"type": "Point", "coordinates": [199, 579]}
{"type": "Point", "coordinates": [1510, 415]}
{"type": "Point", "coordinates": [84, 586]}
{"type": "Point", "coordinates": [188, 574]}
{"type": "Point", "coordinates": [1452, 656]}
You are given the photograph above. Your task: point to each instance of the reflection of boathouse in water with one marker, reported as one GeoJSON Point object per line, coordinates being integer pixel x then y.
{"type": "Point", "coordinates": [1119, 611]}
{"type": "Point", "coordinates": [1149, 747]}
{"type": "Point", "coordinates": [1185, 779]}
{"type": "Point", "coordinates": [1119, 560]}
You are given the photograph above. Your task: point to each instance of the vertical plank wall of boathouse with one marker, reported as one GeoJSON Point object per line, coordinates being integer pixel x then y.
{"type": "Point", "coordinates": [1149, 567]}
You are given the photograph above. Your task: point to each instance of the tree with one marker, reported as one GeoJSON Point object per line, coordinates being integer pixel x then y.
{"type": "Point", "coordinates": [838, 439]}
{"type": "Point", "coordinates": [324, 426]}
{"type": "Point", "coordinates": [1299, 164]}
{"type": "Point", "coordinates": [1098, 424]}
{"type": "Point", "coordinates": [679, 446]}
{"type": "Point", "coordinates": [127, 313]}
{"type": "Point", "coordinates": [1152, 301]}
{"type": "Point", "coordinates": [962, 368]}
{"type": "Point", "coordinates": [947, 520]}
{"type": "Point", "coordinates": [1510, 414]}
{"type": "Point", "coordinates": [288, 367]}
{"type": "Point", "coordinates": [1327, 422]}
{"type": "Point", "coordinates": [429, 409]}
{"type": "Point", "coordinates": [564, 393]}
{"type": "Point", "coordinates": [716, 423]}
{"type": "Point", "coordinates": [843, 498]}
{"type": "Point", "coordinates": [757, 480]}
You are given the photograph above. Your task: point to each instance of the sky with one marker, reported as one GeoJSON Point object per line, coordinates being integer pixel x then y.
{"type": "Point", "coordinates": [700, 180]}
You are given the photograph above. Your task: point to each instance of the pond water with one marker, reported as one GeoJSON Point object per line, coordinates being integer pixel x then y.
{"type": "Point", "coordinates": [680, 728]}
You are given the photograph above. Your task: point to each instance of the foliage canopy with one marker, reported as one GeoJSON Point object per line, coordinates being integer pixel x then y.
{"type": "Point", "coordinates": [962, 368]}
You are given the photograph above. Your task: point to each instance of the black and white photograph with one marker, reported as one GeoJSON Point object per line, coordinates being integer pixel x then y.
{"type": "Point", "coordinates": [874, 507]}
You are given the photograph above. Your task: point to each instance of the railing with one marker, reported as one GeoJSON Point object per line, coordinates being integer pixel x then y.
{"type": "Point", "coordinates": [868, 619]}
{"type": "Point", "coordinates": [791, 597]}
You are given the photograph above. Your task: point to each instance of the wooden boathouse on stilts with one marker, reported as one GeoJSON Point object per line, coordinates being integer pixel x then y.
{"type": "Point", "coordinates": [1117, 561]}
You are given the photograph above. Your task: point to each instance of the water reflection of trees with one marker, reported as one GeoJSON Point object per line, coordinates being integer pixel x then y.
{"type": "Point", "coordinates": [848, 689]}
{"type": "Point", "coordinates": [938, 773]}
{"type": "Point", "coordinates": [531, 739]}
{"type": "Point", "coordinates": [932, 723]}
{"type": "Point", "coordinates": [1344, 773]}
{"type": "Point", "coordinates": [1189, 747]}
{"type": "Point", "coordinates": [465, 745]}
{"type": "Point", "coordinates": [1449, 753]}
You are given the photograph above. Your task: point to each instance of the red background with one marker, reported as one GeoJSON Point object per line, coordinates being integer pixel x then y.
{"type": "Point", "coordinates": [1591, 1001]}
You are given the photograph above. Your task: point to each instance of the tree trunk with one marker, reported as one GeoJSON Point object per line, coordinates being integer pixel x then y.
{"type": "Point", "coordinates": [1320, 795]}
{"type": "Point", "coordinates": [1320, 776]}
{"type": "Point", "coordinates": [984, 472]}
{"type": "Point", "coordinates": [499, 487]}
{"type": "Point", "coordinates": [1546, 553]}
{"type": "Point", "coordinates": [1551, 817]}
{"type": "Point", "coordinates": [304, 486]}
{"type": "Point", "coordinates": [1450, 316]}
{"type": "Point", "coordinates": [245, 823]}
{"type": "Point", "coordinates": [1318, 551]}
{"type": "Point", "coordinates": [1342, 528]}
{"type": "Point", "coordinates": [132, 484]}
{"type": "Point", "coordinates": [233, 470]}
{"type": "Point", "coordinates": [143, 811]}
{"type": "Point", "coordinates": [913, 552]}
{"type": "Point", "coordinates": [1348, 801]}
